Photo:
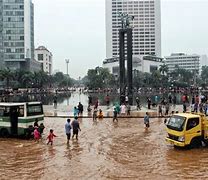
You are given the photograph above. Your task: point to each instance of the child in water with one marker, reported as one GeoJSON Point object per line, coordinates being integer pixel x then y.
{"type": "Point", "coordinates": [146, 121]}
{"type": "Point", "coordinates": [76, 111]}
{"type": "Point", "coordinates": [50, 137]}
{"type": "Point", "coordinates": [115, 114]}
{"type": "Point", "coordinates": [128, 110]}
{"type": "Point", "coordinates": [41, 128]}
{"type": "Point", "coordinates": [94, 116]}
{"type": "Point", "coordinates": [100, 115]}
{"type": "Point", "coordinates": [36, 134]}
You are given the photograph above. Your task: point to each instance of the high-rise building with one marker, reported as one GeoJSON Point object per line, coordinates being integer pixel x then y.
{"type": "Point", "coordinates": [146, 26]}
{"type": "Point", "coordinates": [17, 34]}
{"type": "Point", "coordinates": [45, 57]}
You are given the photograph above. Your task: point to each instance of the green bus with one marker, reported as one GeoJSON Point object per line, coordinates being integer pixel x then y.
{"type": "Point", "coordinates": [17, 119]}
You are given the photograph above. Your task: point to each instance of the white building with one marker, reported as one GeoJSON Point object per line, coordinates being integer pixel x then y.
{"type": "Point", "coordinates": [146, 26]}
{"type": "Point", "coordinates": [203, 61]}
{"type": "Point", "coordinates": [184, 61]}
{"type": "Point", "coordinates": [17, 35]}
{"type": "Point", "coordinates": [43, 55]}
{"type": "Point", "coordinates": [141, 63]}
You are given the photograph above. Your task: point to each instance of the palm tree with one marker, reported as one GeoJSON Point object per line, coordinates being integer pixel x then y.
{"type": "Point", "coordinates": [26, 79]}
{"type": "Point", "coordinates": [6, 75]}
{"type": "Point", "coordinates": [40, 79]}
{"type": "Point", "coordinates": [163, 69]}
{"type": "Point", "coordinates": [204, 74]}
{"type": "Point", "coordinates": [156, 78]}
{"type": "Point", "coordinates": [22, 77]}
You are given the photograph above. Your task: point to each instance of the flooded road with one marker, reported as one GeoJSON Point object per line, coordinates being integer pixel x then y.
{"type": "Point", "coordinates": [105, 150]}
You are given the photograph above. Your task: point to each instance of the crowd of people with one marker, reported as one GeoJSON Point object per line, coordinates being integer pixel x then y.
{"type": "Point", "coordinates": [197, 103]}
{"type": "Point", "coordinates": [38, 131]}
{"type": "Point", "coordinates": [70, 128]}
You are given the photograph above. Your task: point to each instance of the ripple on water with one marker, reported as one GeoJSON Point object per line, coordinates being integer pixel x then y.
{"type": "Point", "coordinates": [105, 150]}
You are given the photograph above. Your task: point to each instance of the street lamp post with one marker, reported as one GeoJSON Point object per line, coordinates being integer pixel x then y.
{"type": "Point", "coordinates": [67, 70]}
{"type": "Point", "coordinates": [67, 80]}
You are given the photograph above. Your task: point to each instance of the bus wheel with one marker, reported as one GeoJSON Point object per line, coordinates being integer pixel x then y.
{"type": "Point", "coordinates": [4, 133]}
{"type": "Point", "coordinates": [195, 143]}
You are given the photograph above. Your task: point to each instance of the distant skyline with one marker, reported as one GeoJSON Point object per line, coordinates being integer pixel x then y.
{"type": "Point", "coordinates": [75, 30]}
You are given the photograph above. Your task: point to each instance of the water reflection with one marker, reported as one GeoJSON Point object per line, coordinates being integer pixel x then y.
{"type": "Point", "coordinates": [46, 99]}
{"type": "Point", "coordinates": [68, 152]}
{"type": "Point", "coordinates": [75, 97]}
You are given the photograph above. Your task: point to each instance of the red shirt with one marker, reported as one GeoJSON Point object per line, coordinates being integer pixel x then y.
{"type": "Point", "coordinates": [184, 98]}
{"type": "Point", "coordinates": [50, 136]}
{"type": "Point", "coordinates": [197, 99]}
{"type": "Point", "coordinates": [107, 98]}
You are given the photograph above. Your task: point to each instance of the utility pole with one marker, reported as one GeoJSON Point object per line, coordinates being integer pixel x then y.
{"type": "Point", "coordinates": [67, 71]}
{"type": "Point", "coordinates": [195, 71]}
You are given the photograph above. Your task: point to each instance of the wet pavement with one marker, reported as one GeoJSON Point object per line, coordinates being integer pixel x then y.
{"type": "Point", "coordinates": [105, 150]}
{"type": "Point", "coordinates": [68, 111]}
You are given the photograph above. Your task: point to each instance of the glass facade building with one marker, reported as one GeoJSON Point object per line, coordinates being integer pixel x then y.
{"type": "Point", "coordinates": [16, 33]}
{"type": "Point", "coordinates": [1, 34]}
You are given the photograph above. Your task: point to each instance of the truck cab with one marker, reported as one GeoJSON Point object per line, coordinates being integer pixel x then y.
{"type": "Point", "coordinates": [187, 129]}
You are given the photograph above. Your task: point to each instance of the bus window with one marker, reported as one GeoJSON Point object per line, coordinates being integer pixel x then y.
{"type": "Point", "coordinates": [21, 111]}
{"type": "Point", "coordinates": [34, 109]}
{"type": "Point", "coordinates": [2, 111]}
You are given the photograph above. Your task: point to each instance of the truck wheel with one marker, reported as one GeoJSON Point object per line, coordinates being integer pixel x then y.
{"type": "Point", "coordinates": [195, 143]}
{"type": "Point", "coordinates": [4, 133]}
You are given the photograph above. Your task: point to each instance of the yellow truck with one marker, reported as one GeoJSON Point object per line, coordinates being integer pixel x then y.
{"type": "Point", "coordinates": [187, 129]}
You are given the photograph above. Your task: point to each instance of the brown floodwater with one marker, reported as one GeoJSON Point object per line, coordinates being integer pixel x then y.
{"type": "Point", "coordinates": [105, 150]}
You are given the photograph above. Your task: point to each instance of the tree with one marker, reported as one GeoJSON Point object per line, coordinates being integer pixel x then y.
{"type": "Point", "coordinates": [204, 75]}
{"type": "Point", "coordinates": [6, 75]}
{"type": "Point", "coordinates": [27, 79]}
{"type": "Point", "coordinates": [139, 79]}
{"type": "Point", "coordinates": [147, 79]}
{"type": "Point", "coordinates": [40, 79]}
{"type": "Point", "coordinates": [163, 69]}
{"type": "Point", "coordinates": [93, 79]}
{"type": "Point", "coordinates": [99, 78]}
{"type": "Point", "coordinates": [24, 78]}
{"type": "Point", "coordinates": [58, 77]}
{"type": "Point", "coordinates": [61, 80]}
{"type": "Point", "coordinates": [156, 79]}
{"type": "Point", "coordinates": [182, 77]}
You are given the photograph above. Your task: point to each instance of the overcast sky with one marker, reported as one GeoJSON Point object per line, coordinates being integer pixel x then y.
{"type": "Point", "coordinates": [75, 30]}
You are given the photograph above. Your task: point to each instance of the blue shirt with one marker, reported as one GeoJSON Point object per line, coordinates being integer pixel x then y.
{"type": "Point", "coordinates": [146, 119]}
{"type": "Point", "coordinates": [67, 128]}
{"type": "Point", "coordinates": [76, 111]}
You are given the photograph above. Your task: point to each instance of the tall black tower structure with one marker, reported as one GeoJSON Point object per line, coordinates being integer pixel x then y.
{"type": "Point", "coordinates": [126, 80]}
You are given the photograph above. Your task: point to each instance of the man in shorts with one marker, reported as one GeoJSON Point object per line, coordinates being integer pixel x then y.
{"type": "Point", "coordinates": [76, 128]}
{"type": "Point", "coordinates": [68, 130]}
